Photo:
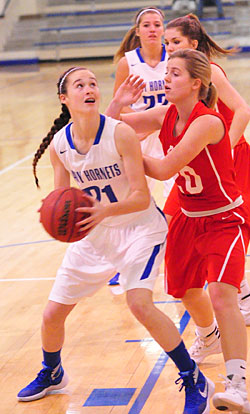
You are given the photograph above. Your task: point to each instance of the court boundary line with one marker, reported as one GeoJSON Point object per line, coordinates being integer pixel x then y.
{"type": "Point", "coordinates": [11, 166]}
{"type": "Point", "coordinates": [155, 373]}
{"type": "Point", "coordinates": [28, 279]}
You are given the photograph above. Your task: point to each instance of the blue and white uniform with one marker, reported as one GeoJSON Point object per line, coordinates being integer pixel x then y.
{"type": "Point", "coordinates": [153, 95]}
{"type": "Point", "coordinates": [154, 92]}
{"type": "Point", "coordinates": [133, 244]}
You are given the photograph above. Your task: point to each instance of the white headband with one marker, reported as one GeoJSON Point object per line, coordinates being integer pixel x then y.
{"type": "Point", "coordinates": [65, 76]}
{"type": "Point", "coordinates": [145, 11]}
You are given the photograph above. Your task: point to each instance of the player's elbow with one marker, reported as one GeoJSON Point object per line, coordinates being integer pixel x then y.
{"type": "Point", "coordinates": [244, 110]}
{"type": "Point", "coordinates": [145, 200]}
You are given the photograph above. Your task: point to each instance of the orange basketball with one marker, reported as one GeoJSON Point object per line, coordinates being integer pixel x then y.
{"type": "Point", "coordinates": [58, 215]}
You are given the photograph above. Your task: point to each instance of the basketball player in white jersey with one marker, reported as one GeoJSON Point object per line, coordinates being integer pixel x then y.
{"type": "Point", "coordinates": [127, 233]}
{"type": "Point", "coordinates": [142, 53]}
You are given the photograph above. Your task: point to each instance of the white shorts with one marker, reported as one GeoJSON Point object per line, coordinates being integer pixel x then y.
{"type": "Point", "coordinates": [135, 250]}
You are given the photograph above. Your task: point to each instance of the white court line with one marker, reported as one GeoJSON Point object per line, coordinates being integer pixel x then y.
{"type": "Point", "coordinates": [28, 279]}
{"type": "Point", "coordinates": [10, 167]}
{"type": "Point", "coordinates": [35, 278]}
{"type": "Point", "coordinates": [49, 278]}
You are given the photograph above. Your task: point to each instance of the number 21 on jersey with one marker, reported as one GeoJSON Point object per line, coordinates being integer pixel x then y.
{"type": "Point", "coordinates": [97, 192]}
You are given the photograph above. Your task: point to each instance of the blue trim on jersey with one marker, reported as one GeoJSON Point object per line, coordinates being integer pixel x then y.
{"type": "Point", "coordinates": [139, 54]}
{"type": "Point", "coordinates": [161, 212]}
{"type": "Point", "coordinates": [98, 134]}
{"type": "Point", "coordinates": [163, 55]}
{"type": "Point", "coordinates": [69, 137]}
{"type": "Point", "coordinates": [150, 263]}
{"type": "Point", "coordinates": [100, 129]}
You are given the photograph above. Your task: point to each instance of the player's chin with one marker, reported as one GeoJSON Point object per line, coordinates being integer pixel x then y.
{"type": "Point", "coordinates": [90, 106]}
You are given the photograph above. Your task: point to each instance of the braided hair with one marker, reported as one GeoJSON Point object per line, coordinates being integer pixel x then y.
{"type": "Point", "coordinates": [59, 122]}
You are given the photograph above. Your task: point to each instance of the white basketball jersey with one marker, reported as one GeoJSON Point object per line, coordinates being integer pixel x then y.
{"type": "Point", "coordinates": [154, 93]}
{"type": "Point", "coordinates": [100, 172]}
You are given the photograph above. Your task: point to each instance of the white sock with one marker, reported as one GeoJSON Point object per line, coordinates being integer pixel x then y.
{"type": "Point", "coordinates": [244, 290]}
{"type": "Point", "coordinates": [207, 330]}
{"type": "Point", "coordinates": [236, 366]}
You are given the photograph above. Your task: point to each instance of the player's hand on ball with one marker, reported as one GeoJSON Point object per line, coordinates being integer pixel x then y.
{"type": "Point", "coordinates": [58, 213]}
{"type": "Point", "coordinates": [97, 214]}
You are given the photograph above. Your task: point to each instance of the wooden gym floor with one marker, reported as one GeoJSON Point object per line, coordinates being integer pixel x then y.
{"type": "Point", "coordinates": [113, 364]}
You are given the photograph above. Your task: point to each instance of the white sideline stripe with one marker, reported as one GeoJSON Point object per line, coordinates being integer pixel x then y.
{"type": "Point", "coordinates": [51, 278]}
{"type": "Point", "coordinates": [37, 278]}
{"type": "Point", "coordinates": [11, 166]}
{"type": "Point", "coordinates": [28, 279]}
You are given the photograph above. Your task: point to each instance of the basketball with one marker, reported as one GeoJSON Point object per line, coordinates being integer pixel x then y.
{"type": "Point", "coordinates": [58, 215]}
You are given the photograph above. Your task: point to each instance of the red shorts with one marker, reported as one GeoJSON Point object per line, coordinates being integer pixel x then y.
{"type": "Point", "coordinates": [172, 204]}
{"type": "Point", "coordinates": [241, 157]}
{"type": "Point", "coordinates": [201, 249]}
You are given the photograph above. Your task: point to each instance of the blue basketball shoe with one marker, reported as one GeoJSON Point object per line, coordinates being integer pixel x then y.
{"type": "Point", "coordinates": [47, 379]}
{"type": "Point", "coordinates": [198, 389]}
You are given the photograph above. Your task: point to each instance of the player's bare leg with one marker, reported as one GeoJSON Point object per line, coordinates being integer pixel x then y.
{"type": "Point", "coordinates": [52, 376]}
{"type": "Point", "coordinates": [198, 389]}
{"type": "Point", "coordinates": [207, 342]}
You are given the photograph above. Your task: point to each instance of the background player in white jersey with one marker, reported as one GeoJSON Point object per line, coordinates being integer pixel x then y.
{"type": "Point", "coordinates": [127, 233]}
{"type": "Point", "coordinates": [143, 53]}
{"type": "Point", "coordinates": [212, 227]}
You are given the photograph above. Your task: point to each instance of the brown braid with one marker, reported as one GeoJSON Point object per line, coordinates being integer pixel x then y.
{"type": "Point", "coordinates": [58, 124]}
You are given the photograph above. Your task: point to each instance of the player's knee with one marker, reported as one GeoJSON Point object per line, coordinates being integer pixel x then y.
{"type": "Point", "coordinates": [223, 297]}
{"type": "Point", "coordinates": [220, 304]}
{"type": "Point", "coordinates": [49, 319]}
{"type": "Point", "coordinates": [52, 317]}
{"type": "Point", "coordinates": [140, 310]}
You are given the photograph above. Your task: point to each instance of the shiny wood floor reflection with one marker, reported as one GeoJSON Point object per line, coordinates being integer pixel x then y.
{"type": "Point", "coordinates": [105, 346]}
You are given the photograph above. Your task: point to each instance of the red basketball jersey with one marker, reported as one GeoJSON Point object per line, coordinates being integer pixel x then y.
{"type": "Point", "coordinates": [223, 109]}
{"type": "Point", "coordinates": [207, 184]}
